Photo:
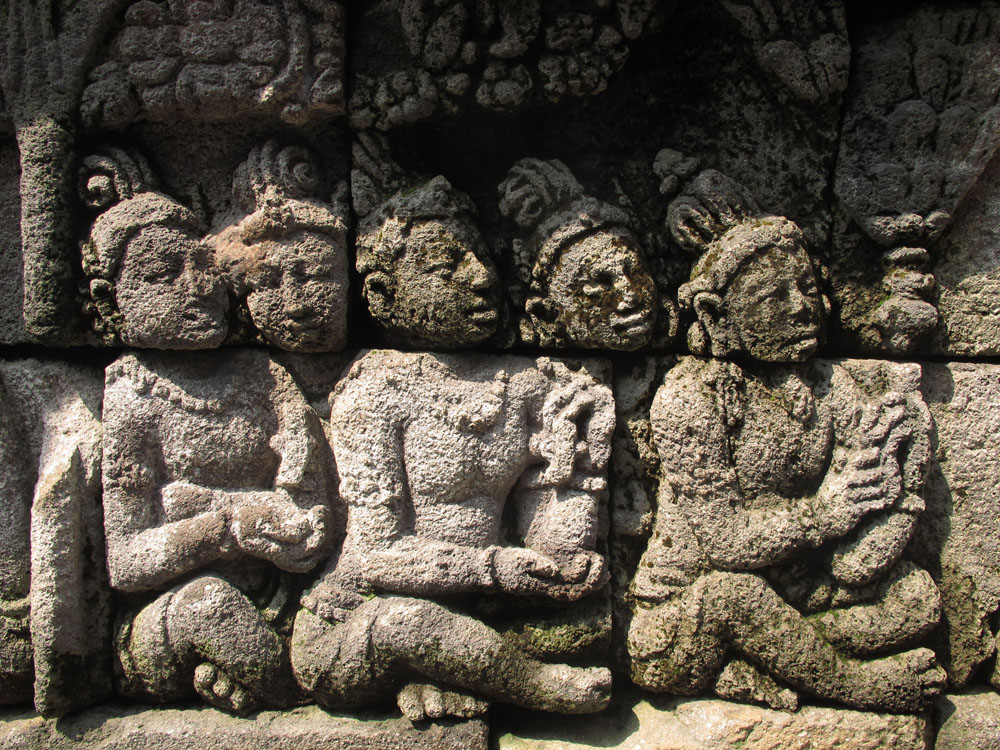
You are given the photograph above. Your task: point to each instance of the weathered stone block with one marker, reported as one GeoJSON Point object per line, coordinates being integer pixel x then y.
{"type": "Point", "coordinates": [959, 536]}
{"type": "Point", "coordinates": [308, 728]}
{"type": "Point", "coordinates": [968, 720]}
{"type": "Point", "coordinates": [718, 725]}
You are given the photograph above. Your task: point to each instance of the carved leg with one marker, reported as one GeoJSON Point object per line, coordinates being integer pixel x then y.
{"type": "Point", "coordinates": [356, 663]}
{"type": "Point", "coordinates": [206, 637]}
{"type": "Point", "coordinates": [906, 608]}
{"type": "Point", "coordinates": [776, 636]}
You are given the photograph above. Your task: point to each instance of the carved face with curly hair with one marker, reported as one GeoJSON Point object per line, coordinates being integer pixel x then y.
{"type": "Point", "coordinates": [152, 280]}
{"type": "Point", "coordinates": [754, 291]}
{"type": "Point", "coordinates": [587, 282]}
{"type": "Point", "coordinates": [289, 254]}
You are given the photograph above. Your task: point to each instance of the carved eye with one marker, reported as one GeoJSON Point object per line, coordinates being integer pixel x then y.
{"type": "Point", "coordinates": [442, 270]}
{"type": "Point", "coordinates": [160, 275]}
{"type": "Point", "coordinates": [600, 283]}
{"type": "Point", "coordinates": [268, 278]}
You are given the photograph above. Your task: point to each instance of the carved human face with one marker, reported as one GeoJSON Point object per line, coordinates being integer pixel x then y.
{"type": "Point", "coordinates": [601, 292]}
{"type": "Point", "coordinates": [775, 306]}
{"type": "Point", "coordinates": [444, 289]}
{"type": "Point", "coordinates": [298, 292]}
{"type": "Point", "coordinates": [169, 293]}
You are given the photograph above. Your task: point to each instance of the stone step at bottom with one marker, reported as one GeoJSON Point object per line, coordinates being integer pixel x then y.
{"type": "Point", "coordinates": [203, 728]}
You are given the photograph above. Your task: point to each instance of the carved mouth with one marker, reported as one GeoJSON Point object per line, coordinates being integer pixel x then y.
{"type": "Point", "coordinates": [483, 313]}
{"type": "Point", "coordinates": [199, 319]}
{"type": "Point", "coordinates": [635, 324]}
{"type": "Point", "coordinates": [803, 341]}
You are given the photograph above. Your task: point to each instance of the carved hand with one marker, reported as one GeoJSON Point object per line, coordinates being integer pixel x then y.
{"type": "Point", "coordinates": [519, 570]}
{"type": "Point", "coordinates": [884, 431]}
{"type": "Point", "coordinates": [871, 479]}
{"type": "Point", "coordinates": [586, 573]}
{"type": "Point", "coordinates": [269, 526]}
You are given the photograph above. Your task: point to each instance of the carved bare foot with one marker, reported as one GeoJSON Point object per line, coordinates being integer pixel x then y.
{"type": "Point", "coordinates": [419, 701]}
{"type": "Point", "coordinates": [903, 683]}
{"type": "Point", "coordinates": [574, 690]}
{"type": "Point", "coordinates": [218, 689]}
{"type": "Point", "coordinates": [743, 682]}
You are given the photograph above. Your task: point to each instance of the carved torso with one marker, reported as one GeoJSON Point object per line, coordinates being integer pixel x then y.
{"type": "Point", "coordinates": [783, 443]}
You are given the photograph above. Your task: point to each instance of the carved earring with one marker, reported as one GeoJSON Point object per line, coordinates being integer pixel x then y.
{"type": "Point", "coordinates": [378, 292]}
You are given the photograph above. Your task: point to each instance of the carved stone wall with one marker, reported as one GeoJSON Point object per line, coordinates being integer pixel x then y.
{"type": "Point", "coordinates": [417, 373]}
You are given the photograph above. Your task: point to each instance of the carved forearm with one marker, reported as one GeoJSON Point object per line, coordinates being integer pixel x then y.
{"type": "Point", "coordinates": [421, 567]}
{"type": "Point", "coordinates": [156, 556]}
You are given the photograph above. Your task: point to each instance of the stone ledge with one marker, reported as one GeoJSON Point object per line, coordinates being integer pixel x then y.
{"type": "Point", "coordinates": [307, 728]}
{"type": "Point", "coordinates": [969, 720]}
{"type": "Point", "coordinates": [660, 724]}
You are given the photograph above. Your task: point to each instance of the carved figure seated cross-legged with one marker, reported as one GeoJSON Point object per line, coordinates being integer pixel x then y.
{"type": "Point", "coordinates": [433, 453]}
{"type": "Point", "coordinates": [766, 466]}
{"type": "Point", "coordinates": [215, 485]}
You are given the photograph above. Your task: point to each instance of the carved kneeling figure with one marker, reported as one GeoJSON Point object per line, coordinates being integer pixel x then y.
{"type": "Point", "coordinates": [770, 469]}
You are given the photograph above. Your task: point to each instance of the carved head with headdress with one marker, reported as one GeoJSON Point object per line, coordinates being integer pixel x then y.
{"type": "Point", "coordinates": [285, 249]}
{"type": "Point", "coordinates": [583, 279]}
{"type": "Point", "coordinates": [151, 279]}
{"type": "Point", "coordinates": [754, 290]}
{"type": "Point", "coordinates": [428, 278]}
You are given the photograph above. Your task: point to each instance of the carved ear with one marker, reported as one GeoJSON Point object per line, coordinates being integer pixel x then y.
{"type": "Point", "coordinates": [378, 292]}
{"type": "Point", "coordinates": [714, 334]}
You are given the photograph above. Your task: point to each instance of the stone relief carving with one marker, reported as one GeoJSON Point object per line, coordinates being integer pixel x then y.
{"type": "Point", "coordinates": [17, 677]}
{"type": "Point", "coordinates": [747, 521]}
{"type": "Point", "coordinates": [802, 46]}
{"type": "Point", "coordinates": [581, 276]}
{"type": "Point", "coordinates": [762, 464]}
{"type": "Point", "coordinates": [158, 278]}
{"type": "Point", "coordinates": [920, 128]}
{"type": "Point", "coordinates": [431, 450]}
{"type": "Point", "coordinates": [217, 486]}
{"type": "Point", "coordinates": [218, 60]}
{"type": "Point", "coordinates": [956, 539]}
{"type": "Point", "coordinates": [54, 597]}
{"type": "Point", "coordinates": [144, 249]}
{"type": "Point", "coordinates": [754, 291]}
{"type": "Point", "coordinates": [285, 250]}
{"type": "Point", "coordinates": [426, 274]}
{"type": "Point", "coordinates": [498, 56]}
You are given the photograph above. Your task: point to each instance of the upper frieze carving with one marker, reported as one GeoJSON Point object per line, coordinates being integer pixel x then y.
{"type": "Point", "coordinates": [498, 56]}
{"type": "Point", "coordinates": [219, 60]}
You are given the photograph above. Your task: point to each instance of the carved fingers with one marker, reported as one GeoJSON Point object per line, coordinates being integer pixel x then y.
{"type": "Point", "coordinates": [271, 527]}
{"type": "Point", "coordinates": [519, 570]}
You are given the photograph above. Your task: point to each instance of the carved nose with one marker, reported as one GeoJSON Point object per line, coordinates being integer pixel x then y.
{"type": "Point", "coordinates": [800, 305]}
{"type": "Point", "coordinates": [477, 275]}
{"type": "Point", "coordinates": [628, 297]}
{"type": "Point", "coordinates": [200, 282]}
